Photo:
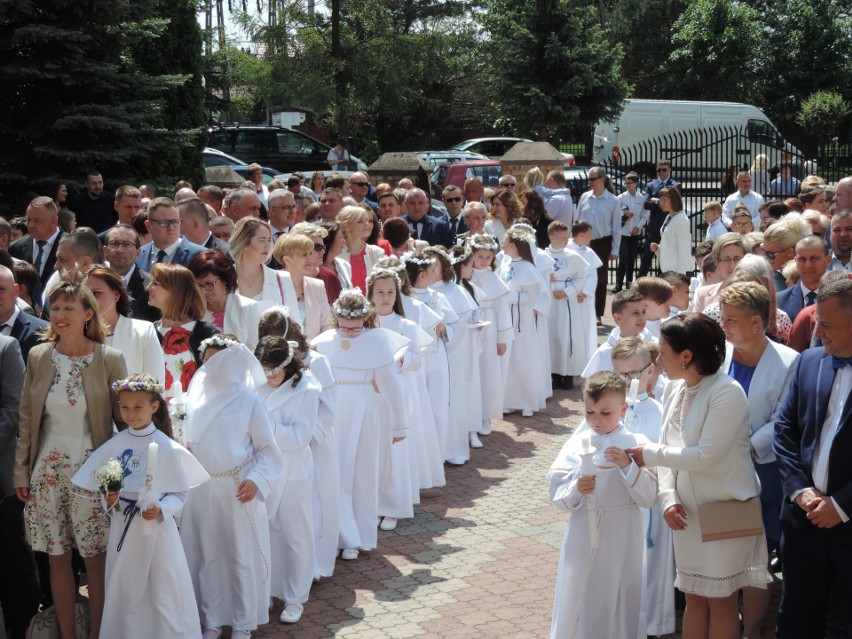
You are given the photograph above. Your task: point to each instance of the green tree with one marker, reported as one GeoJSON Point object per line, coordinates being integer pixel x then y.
{"type": "Point", "coordinates": [822, 114]}
{"type": "Point", "coordinates": [550, 68]}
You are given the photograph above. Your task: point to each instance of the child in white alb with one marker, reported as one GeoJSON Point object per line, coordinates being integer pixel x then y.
{"type": "Point", "coordinates": [628, 312]}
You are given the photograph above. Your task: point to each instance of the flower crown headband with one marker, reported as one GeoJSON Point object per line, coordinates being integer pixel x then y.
{"type": "Point", "coordinates": [148, 384]}
{"type": "Point", "coordinates": [396, 268]}
{"type": "Point", "coordinates": [382, 272]}
{"type": "Point", "coordinates": [272, 372]}
{"type": "Point", "coordinates": [216, 341]}
{"type": "Point", "coordinates": [409, 257]}
{"type": "Point", "coordinates": [517, 235]}
{"type": "Point", "coordinates": [482, 241]}
{"type": "Point", "coordinates": [355, 312]}
{"type": "Point", "coordinates": [462, 257]}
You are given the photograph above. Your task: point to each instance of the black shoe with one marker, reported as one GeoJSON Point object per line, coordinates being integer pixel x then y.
{"type": "Point", "coordinates": [618, 289]}
{"type": "Point", "coordinates": [568, 382]}
{"type": "Point", "coordinates": [556, 381]}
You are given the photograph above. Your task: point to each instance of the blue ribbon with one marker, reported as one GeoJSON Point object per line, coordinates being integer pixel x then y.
{"type": "Point", "coordinates": [130, 511]}
{"type": "Point", "coordinates": [648, 542]}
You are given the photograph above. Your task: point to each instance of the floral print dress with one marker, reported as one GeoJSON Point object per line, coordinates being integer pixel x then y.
{"type": "Point", "coordinates": [180, 361]}
{"type": "Point", "coordinates": [63, 516]}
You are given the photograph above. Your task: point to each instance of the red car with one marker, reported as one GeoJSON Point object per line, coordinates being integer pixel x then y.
{"type": "Point", "coordinates": [489, 171]}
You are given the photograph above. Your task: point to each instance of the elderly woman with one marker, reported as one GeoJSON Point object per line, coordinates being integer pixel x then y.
{"type": "Point", "coordinates": [356, 225]}
{"type": "Point", "coordinates": [133, 338]}
{"type": "Point", "coordinates": [67, 410]}
{"type": "Point", "coordinates": [675, 247]}
{"type": "Point", "coordinates": [704, 457]}
{"type": "Point", "coordinates": [227, 310]}
{"type": "Point", "coordinates": [296, 255]}
{"type": "Point", "coordinates": [505, 209]}
{"type": "Point", "coordinates": [763, 369]}
{"type": "Point", "coordinates": [728, 250]}
{"type": "Point", "coordinates": [181, 330]}
{"type": "Point", "coordinates": [251, 248]}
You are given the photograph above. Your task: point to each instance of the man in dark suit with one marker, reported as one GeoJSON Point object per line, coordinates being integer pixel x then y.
{"type": "Point", "coordinates": [425, 227]}
{"type": "Point", "coordinates": [39, 247]}
{"type": "Point", "coordinates": [812, 259]}
{"type": "Point", "coordinates": [813, 445]}
{"type": "Point", "coordinates": [121, 251]}
{"type": "Point", "coordinates": [452, 198]}
{"type": "Point", "coordinates": [167, 245]}
{"type": "Point", "coordinates": [13, 321]}
{"type": "Point", "coordinates": [195, 225]}
{"type": "Point", "coordinates": [653, 230]}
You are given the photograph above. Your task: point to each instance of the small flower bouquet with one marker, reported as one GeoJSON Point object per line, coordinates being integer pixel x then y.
{"type": "Point", "coordinates": [110, 477]}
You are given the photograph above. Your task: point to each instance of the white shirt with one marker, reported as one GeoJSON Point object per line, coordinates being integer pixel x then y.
{"type": "Point", "coordinates": [170, 252]}
{"type": "Point", "coordinates": [715, 230]}
{"type": "Point", "coordinates": [635, 204]}
{"type": "Point", "coordinates": [129, 274]}
{"type": "Point", "coordinates": [47, 249]}
{"type": "Point", "coordinates": [837, 265]}
{"type": "Point", "coordinates": [751, 200]}
{"type": "Point", "coordinates": [6, 327]}
{"type": "Point", "coordinates": [805, 290]}
{"type": "Point", "coordinates": [836, 402]}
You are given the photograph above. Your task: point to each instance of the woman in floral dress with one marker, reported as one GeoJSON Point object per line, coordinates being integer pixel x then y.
{"type": "Point", "coordinates": [174, 291]}
{"type": "Point", "coordinates": [67, 410]}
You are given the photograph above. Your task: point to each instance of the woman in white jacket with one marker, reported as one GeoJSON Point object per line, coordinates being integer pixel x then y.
{"type": "Point", "coordinates": [356, 224]}
{"type": "Point", "coordinates": [675, 247]}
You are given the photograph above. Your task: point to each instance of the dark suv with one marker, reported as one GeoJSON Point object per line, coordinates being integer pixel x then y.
{"type": "Point", "coordinates": [284, 149]}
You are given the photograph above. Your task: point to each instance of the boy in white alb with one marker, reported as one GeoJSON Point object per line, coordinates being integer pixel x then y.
{"type": "Point", "coordinates": [581, 238]}
{"type": "Point", "coordinates": [657, 294]}
{"type": "Point", "coordinates": [568, 325]}
{"type": "Point", "coordinates": [628, 311]}
{"type": "Point", "coordinates": [600, 581]}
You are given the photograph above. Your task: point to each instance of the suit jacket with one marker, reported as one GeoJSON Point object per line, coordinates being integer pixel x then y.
{"type": "Point", "coordinates": [27, 330]}
{"type": "Point", "coordinates": [214, 242]}
{"type": "Point", "coordinates": [23, 250]}
{"type": "Point", "coordinates": [797, 432]}
{"type": "Point", "coordinates": [657, 215]}
{"type": "Point", "coordinates": [461, 227]}
{"type": "Point", "coordinates": [791, 301]}
{"type": "Point", "coordinates": [317, 311]}
{"type": "Point", "coordinates": [101, 402]}
{"type": "Point", "coordinates": [435, 231]}
{"type": "Point", "coordinates": [767, 391]}
{"type": "Point", "coordinates": [184, 253]}
{"type": "Point", "coordinates": [12, 372]}
{"type": "Point", "coordinates": [139, 280]}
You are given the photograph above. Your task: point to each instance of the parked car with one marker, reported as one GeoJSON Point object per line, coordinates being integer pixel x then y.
{"type": "Point", "coordinates": [488, 171]}
{"type": "Point", "coordinates": [437, 158]}
{"type": "Point", "coordinates": [277, 146]}
{"type": "Point", "coordinates": [268, 174]}
{"type": "Point", "coordinates": [215, 157]}
{"type": "Point", "coordinates": [494, 148]}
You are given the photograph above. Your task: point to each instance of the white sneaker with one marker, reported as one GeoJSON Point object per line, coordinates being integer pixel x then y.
{"type": "Point", "coordinates": [474, 441]}
{"type": "Point", "coordinates": [349, 554]}
{"type": "Point", "coordinates": [212, 633]}
{"type": "Point", "coordinates": [526, 413]}
{"type": "Point", "coordinates": [292, 613]}
{"type": "Point", "coordinates": [485, 429]}
{"type": "Point", "coordinates": [388, 523]}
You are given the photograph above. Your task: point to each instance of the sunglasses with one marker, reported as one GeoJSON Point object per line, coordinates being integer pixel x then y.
{"type": "Point", "coordinates": [452, 199]}
{"type": "Point", "coordinates": [594, 179]}
{"type": "Point", "coordinates": [769, 254]}
{"type": "Point", "coordinates": [362, 184]}
{"type": "Point", "coordinates": [663, 169]}
{"type": "Point", "coordinates": [319, 248]}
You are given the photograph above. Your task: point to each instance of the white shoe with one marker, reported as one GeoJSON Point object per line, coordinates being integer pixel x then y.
{"type": "Point", "coordinates": [241, 634]}
{"type": "Point", "coordinates": [349, 554]}
{"type": "Point", "coordinates": [388, 523]}
{"type": "Point", "coordinates": [212, 633]}
{"type": "Point", "coordinates": [474, 441]}
{"type": "Point", "coordinates": [526, 413]}
{"type": "Point", "coordinates": [292, 613]}
{"type": "Point", "coordinates": [485, 429]}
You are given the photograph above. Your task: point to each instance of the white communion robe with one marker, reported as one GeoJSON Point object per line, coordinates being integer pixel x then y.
{"type": "Point", "coordinates": [326, 458]}
{"type": "Point", "coordinates": [523, 374]}
{"type": "Point", "coordinates": [600, 591]}
{"type": "Point", "coordinates": [544, 265]}
{"type": "Point", "coordinates": [465, 414]}
{"type": "Point", "coordinates": [293, 412]}
{"type": "Point", "coordinates": [148, 585]}
{"type": "Point", "coordinates": [425, 456]}
{"type": "Point", "coordinates": [399, 483]}
{"type": "Point", "coordinates": [570, 339]}
{"type": "Point", "coordinates": [493, 308]}
{"type": "Point", "coordinates": [227, 542]}
{"type": "Point", "coordinates": [601, 359]}
{"type": "Point", "coordinates": [588, 314]}
{"type": "Point", "coordinates": [365, 369]}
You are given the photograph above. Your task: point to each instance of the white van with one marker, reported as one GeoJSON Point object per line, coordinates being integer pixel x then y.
{"type": "Point", "coordinates": [708, 136]}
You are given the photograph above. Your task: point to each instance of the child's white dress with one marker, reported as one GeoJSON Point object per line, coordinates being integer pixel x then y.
{"type": "Point", "coordinates": [148, 584]}
{"type": "Point", "coordinates": [600, 591]}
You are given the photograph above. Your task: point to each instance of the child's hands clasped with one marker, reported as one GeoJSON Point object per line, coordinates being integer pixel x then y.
{"type": "Point", "coordinates": [151, 513]}
{"type": "Point", "coordinates": [617, 456]}
{"type": "Point", "coordinates": [246, 491]}
{"type": "Point", "coordinates": [586, 484]}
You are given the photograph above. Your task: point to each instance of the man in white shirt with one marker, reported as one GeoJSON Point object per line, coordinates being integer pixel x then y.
{"type": "Point", "coordinates": [557, 198]}
{"type": "Point", "coordinates": [745, 196]}
{"type": "Point", "coordinates": [634, 216]}
{"type": "Point", "coordinates": [39, 247]}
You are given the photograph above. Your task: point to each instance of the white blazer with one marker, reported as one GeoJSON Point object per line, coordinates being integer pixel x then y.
{"type": "Point", "coordinates": [344, 272]}
{"type": "Point", "coordinates": [277, 290]}
{"type": "Point", "coordinates": [676, 245]}
{"type": "Point", "coordinates": [371, 256]}
{"type": "Point", "coordinates": [242, 315]}
{"type": "Point", "coordinates": [768, 388]}
{"type": "Point", "coordinates": [137, 340]}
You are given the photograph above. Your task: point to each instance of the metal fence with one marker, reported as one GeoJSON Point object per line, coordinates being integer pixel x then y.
{"type": "Point", "coordinates": [705, 163]}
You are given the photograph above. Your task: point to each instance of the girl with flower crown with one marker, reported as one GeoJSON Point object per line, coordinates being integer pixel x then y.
{"type": "Point", "coordinates": [523, 368]}
{"type": "Point", "coordinates": [224, 528]}
{"type": "Point", "coordinates": [399, 490]}
{"type": "Point", "coordinates": [364, 360]}
{"type": "Point", "coordinates": [292, 395]}
{"type": "Point", "coordinates": [148, 585]}
{"type": "Point", "coordinates": [498, 335]}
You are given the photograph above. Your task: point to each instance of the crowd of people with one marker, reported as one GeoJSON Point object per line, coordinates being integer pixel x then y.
{"type": "Point", "coordinates": [280, 370]}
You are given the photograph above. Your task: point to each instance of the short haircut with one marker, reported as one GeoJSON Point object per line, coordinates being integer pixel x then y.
{"type": "Point", "coordinates": [138, 223]}
{"type": "Point", "coordinates": [724, 241]}
{"type": "Point", "coordinates": [280, 194]}
{"type": "Point", "coordinates": [290, 244]}
{"type": "Point", "coordinates": [221, 220]}
{"type": "Point", "coordinates": [5, 228]}
{"type": "Point", "coordinates": [293, 180]}
{"type": "Point", "coordinates": [790, 271]}
{"type": "Point", "coordinates": [674, 196]}
{"type": "Point", "coordinates": [840, 290]}
{"type": "Point", "coordinates": [332, 190]}
{"type": "Point", "coordinates": [238, 195]}
{"type": "Point", "coordinates": [664, 162]}
{"type": "Point", "coordinates": [26, 275]}
{"type": "Point", "coordinates": [160, 202]}
{"type": "Point", "coordinates": [655, 289]}
{"type": "Point", "coordinates": [776, 210]}
{"type": "Point", "coordinates": [579, 227]}
{"type": "Point", "coordinates": [44, 202]}
{"type": "Point", "coordinates": [812, 241]}
{"type": "Point", "coordinates": [605, 382]}
{"type": "Point", "coordinates": [452, 188]}
{"type": "Point", "coordinates": [19, 224]}
{"type": "Point", "coordinates": [127, 190]}
{"type": "Point", "coordinates": [630, 346]}
{"type": "Point", "coordinates": [396, 231]}
{"type": "Point", "coordinates": [700, 335]}
{"type": "Point", "coordinates": [623, 298]}
{"type": "Point", "coordinates": [675, 279]}
{"type": "Point", "coordinates": [215, 263]}
{"type": "Point", "coordinates": [194, 208]}
{"type": "Point", "coordinates": [557, 176]}
{"type": "Point", "coordinates": [556, 226]}
{"type": "Point", "coordinates": [84, 245]}
{"type": "Point", "coordinates": [704, 248]}
{"type": "Point", "coordinates": [186, 301]}
{"type": "Point", "coordinates": [749, 296]}
{"type": "Point", "coordinates": [335, 181]}
{"type": "Point", "coordinates": [743, 174]}
{"type": "Point", "coordinates": [212, 191]}
{"type": "Point", "coordinates": [713, 206]}
{"type": "Point", "coordinates": [254, 166]}
{"type": "Point", "coordinates": [310, 230]}
{"type": "Point", "coordinates": [387, 194]}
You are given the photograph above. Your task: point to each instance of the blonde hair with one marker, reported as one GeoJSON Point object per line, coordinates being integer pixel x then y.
{"type": "Point", "coordinates": [760, 163]}
{"type": "Point", "coordinates": [244, 232]}
{"type": "Point", "coordinates": [788, 230]}
{"type": "Point", "coordinates": [533, 177]}
{"type": "Point", "coordinates": [630, 346]}
{"type": "Point", "coordinates": [724, 241]}
{"type": "Point", "coordinates": [749, 296]}
{"type": "Point", "coordinates": [186, 301]}
{"type": "Point", "coordinates": [752, 240]}
{"type": "Point", "coordinates": [291, 244]}
{"type": "Point", "coordinates": [347, 216]}
{"type": "Point", "coordinates": [309, 230]}
{"type": "Point", "coordinates": [810, 181]}
{"type": "Point", "coordinates": [72, 286]}
{"type": "Point", "coordinates": [790, 271]}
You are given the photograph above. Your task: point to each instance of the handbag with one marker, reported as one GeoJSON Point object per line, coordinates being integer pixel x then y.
{"type": "Point", "coordinates": [44, 624]}
{"type": "Point", "coordinates": [730, 519]}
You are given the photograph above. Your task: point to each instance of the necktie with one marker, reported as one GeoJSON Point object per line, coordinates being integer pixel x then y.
{"type": "Point", "coordinates": [40, 256]}
{"type": "Point", "coordinates": [811, 298]}
{"type": "Point", "coordinates": [840, 362]}
{"type": "Point", "coordinates": [453, 225]}
{"type": "Point", "coordinates": [418, 225]}
{"type": "Point", "coordinates": [161, 256]}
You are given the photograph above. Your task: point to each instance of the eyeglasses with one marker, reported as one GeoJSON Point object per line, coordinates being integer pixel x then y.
{"type": "Point", "coordinates": [452, 199]}
{"type": "Point", "coordinates": [769, 254]}
{"type": "Point", "coordinates": [629, 375]}
{"type": "Point", "coordinates": [289, 207]}
{"type": "Point", "coordinates": [361, 184]}
{"type": "Point", "coordinates": [743, 225]}
{"type": "Point", "coordinates": [728, 260]}
{"type": "Point", "coordinates": [351, 331]}
{"type": "Point", "coordinates": [119, 244]}
{"type": "Point", "coordinates": [164, 224]}
{"type": "Point", "coordinates": [663, 169]}
{"type": "Point", "coordinates": [319, 248]}
{"type": "Point", "coordinates": [207, 286]}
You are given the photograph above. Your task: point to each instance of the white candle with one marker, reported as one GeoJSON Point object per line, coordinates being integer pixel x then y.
{"type": "Point", "coordinates": [631, 404]}
{"type": "Point", "coordinates": [148, 498]}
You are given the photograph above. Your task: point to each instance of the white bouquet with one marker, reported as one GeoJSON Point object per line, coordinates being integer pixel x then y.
{"type": "Point", "coordinates": [110, 476]}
